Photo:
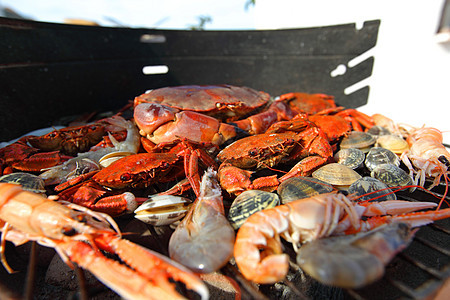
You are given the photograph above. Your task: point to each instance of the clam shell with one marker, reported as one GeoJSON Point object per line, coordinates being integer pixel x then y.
{"type": "Point", "coordinates": [371, 188]}
{"type": "Point", "coordinates": [359, 140]}
{"type": "Point", "coordinates": [395, 143]}
{"type": "Point", "coordinates": [380, 155]}
{"type": "Point", "coordinates": [302, 187]}
{"type": "Point", "coordinates": [248, 203]}
{"type": "Point", "coordinates": [378, 130]}
{"type": "Point", "coordinates": [350, 157]}
{"type": "Point", "coordinates": [336, 174]}
{"type": "Point", "coordinates": [161, 210]}
{"type": "Point", "coordinates": [391, 175]}
{"type": "Point", "coordinates": [29, 182]}
{"type": "Point", "coordinates": [109, 158]}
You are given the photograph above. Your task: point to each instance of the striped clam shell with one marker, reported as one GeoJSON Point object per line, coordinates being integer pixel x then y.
{"type": "Point", "coordinates": [248, 203]}
{"type": "Point", "coordinates": [367, 188]}
{"type": "Point", "coordinates": [29, 182]}
{"type": "Point", "coordinates": [350, 157]}
{"type": "Point", "coordinates": [162, 210]}
{"type": "Point", "coordinates": [302, 187]}
{"type": "Point", "coordinates": [391, 175]}
{"type": "Point", "coordinates": [380, 155]}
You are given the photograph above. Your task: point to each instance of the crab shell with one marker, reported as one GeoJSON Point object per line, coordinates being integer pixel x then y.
{"type": "Point", "coordinates": [225, 102]}
{"type": "Point", "coordinates": [138, 170]}
{"type": "Point", "coordinates": [162, 210]}
{"type": "Point", "coordinates": [259, 150]}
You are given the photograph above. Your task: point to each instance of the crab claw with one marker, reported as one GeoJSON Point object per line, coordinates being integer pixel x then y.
{"type": "Point", "coordinates": [150, 116]}
{"type": "Point", "coordinates": [144, 275]}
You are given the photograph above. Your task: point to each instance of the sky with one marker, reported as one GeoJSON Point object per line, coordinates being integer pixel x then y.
{"type": "Point", "coordinates": [163, 14]}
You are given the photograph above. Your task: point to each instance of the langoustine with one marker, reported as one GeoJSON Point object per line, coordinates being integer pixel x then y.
{"type": "Point", "coordinates": [204, 239]}
{"type": "Point", "coordinates": [77, 234]}
{"type": "Point", "coordinates": [258, 250]}
{"type": "Point", "coordinates": [427, 156]}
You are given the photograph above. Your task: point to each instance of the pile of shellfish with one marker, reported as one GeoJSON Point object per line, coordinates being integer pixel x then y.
{"type": "Point", "coordinates": [209, 162]}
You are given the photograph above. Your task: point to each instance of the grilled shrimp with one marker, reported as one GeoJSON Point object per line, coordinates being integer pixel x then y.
{"type": "Point", "coordinates": [77, 234]}
{"type": "Point", "coordinates": [353, 261]}
{"type": "Point", "coordinates": [258, 252]}
{"type": "Point", "coordinates": [204, 239]}
{"type": "Point", "coordinates": [427, 156]}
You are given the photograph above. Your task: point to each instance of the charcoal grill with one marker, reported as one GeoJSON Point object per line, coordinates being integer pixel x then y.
{"type": "Point", "coordinates": [49, 71]}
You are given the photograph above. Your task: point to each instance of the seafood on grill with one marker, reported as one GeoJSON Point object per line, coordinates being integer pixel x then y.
{"type": "Point", "coordinates": [300, 140]}
{"type": "Point", "coordinates": [71, 140]}
{"type": "Point", "coordinates": [90, 161]}
{"type": "Point", "coordinates": [317, 105]}
{"type": "Point", "coordinates": [258, 249]}
{"type": "Point", "coordinates": [200, 112]}
{"type": "Point", "coordinates": [359, 140]}
{"type": "Point", "coordinates": [250, 202]}
{"type": "Point", "coordinates": [78, 234]}
{"type": "Point", "coordinates": [350, 157]}
{"type": "Point", "coordinates": [29, 182]}
{"type": "Point", "coordinates": [20, 156]}
{"type": "Point", "coordinates": [336, 174]}
{"type": "Point", "coordinates": [427, 156]}
{"type": "Point", "coordinates": [300, 187]}
{"type": "Point", "coordinates": [204, 239]}
{"type": "Point", "coordinates": [161, 210]}
{"type": "Point", "coordinates": [354, 261]}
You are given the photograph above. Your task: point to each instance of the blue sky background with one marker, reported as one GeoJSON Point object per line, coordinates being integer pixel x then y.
{"type": "Point", "coordinates": [170, 14]}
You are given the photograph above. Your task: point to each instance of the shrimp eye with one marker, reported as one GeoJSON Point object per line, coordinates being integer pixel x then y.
{"type": "Point", "coordinates": [444, 160]}
{"type": "Point", "coordinates": [68, 231]}
{"type": "Point", "coordinates": [252, 152]}
{"type": "Point", "coordinates": [81, 218]}
{"type": "Point", "coordinates": [125, 177]}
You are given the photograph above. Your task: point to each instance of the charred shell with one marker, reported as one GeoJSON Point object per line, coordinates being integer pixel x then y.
{"type": "Point", "coordinates": [302, 187]}
{"type": "Point", "coordinates": [350, 157]}
{"type": "Point", "coordinates": [380, 155]}
{"type": "Point", "coordinates": [359, 140]}
{"type": "Point", "coordinates": [367, 188]}
{"type": "Point", "coordinates": [162, 209]}
{"type": "Point", "coordinates": [337, 175]}
{"type": "Point", "coordinates": [29, 182]}
{"type": "Point", "coordinates": [391, 175]}
{"type": "Point", "coordinates": [248, 203]}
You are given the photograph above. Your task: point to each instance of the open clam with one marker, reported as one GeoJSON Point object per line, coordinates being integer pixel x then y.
{"type": "Point", "coordinates": [161, 210]}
